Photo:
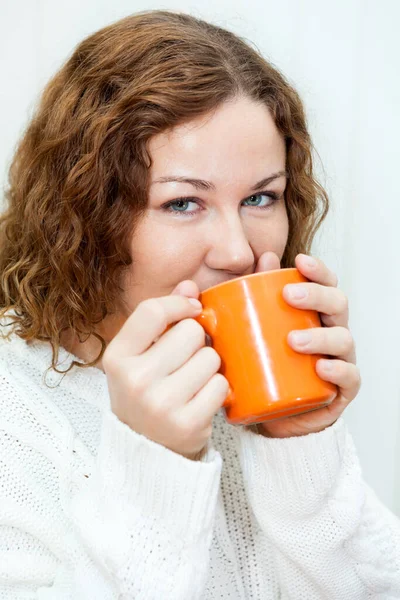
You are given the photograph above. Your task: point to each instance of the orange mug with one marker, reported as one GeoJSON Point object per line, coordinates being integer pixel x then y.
{"type": "Point", "coordinates": [248, 321]}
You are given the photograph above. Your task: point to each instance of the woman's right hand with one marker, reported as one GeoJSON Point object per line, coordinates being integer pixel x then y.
{"type": "Point", "coordinates": [164, 384]}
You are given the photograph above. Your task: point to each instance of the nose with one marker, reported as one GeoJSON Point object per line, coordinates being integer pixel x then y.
{"type": "Point", "coordinates": [229, 248]}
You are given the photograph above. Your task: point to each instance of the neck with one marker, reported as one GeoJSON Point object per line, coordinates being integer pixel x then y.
{"type": "Point", "coordinates": [90, 349]}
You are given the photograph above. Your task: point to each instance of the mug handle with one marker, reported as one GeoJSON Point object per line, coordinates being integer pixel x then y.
{"type": "Point", "coordinates": [208, 319]}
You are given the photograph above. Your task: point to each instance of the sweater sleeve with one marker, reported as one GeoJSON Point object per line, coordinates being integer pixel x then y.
{"type": "Point", "coordinates": [139, 524]}
{"type": "Point", "coordinates": [333, 538]}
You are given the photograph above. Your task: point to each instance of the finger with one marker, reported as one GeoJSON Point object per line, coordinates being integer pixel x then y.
{"type": "Point", "coordinates": [176, 347]}
{"type": "Point", "coordinates": [345, 375]}
{"type": "Point", "coordinates": [315, 270]}
{"type": "Point", "coordinates": [207, 402]}
{"type": "Point", "coordinates": [268, 261]}
{"type": "Point", "coordinates": [187, 381]}
{"type": "Point", "coordinates": [186, 288]}
{"type": "Point", "coordinates": [330, 301]}
{"type": "Point", "coordinates": [335, 341]}
{"type": "Point", "coordinates": [149, 320]}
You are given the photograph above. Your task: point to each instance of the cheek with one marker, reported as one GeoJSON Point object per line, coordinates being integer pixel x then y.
{"type": "Point", "coordinates": [268, 234]}
{"type": "Point", "coordinates": [164, 254]}
{"type": "Point", "coordinates": [171, 248]}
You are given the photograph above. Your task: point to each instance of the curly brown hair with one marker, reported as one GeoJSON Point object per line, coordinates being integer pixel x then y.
{"type": "Point", "coordinates": [79, 178]}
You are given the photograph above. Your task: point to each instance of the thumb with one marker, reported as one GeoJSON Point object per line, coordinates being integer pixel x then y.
{"type": "Point", "coordinates": [186, 288]}
{"type": "Point", "coordinates": [190, 289]}
{"type": "Point", "coordinates": [268, 262]}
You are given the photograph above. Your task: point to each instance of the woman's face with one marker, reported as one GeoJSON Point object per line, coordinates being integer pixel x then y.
{"type": "Point", "coordinates": [228, 218]}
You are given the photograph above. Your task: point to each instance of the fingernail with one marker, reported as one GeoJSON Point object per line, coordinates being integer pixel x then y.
{"type": "Point", "coordinates": [196, 303]}
{"type": "Point", "coordinates": [310, 262]}
{"type": "Point", "coordinates": [297, 291]}
{"type": "Point", "coordinates": [326, 365]}
{"type": "Point", "coordinates": [301, 337]}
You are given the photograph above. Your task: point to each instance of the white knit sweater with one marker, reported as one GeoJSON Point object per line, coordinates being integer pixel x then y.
{"type": "Point", "coordinates": [90, 510]}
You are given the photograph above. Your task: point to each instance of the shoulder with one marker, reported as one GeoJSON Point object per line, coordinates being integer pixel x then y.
{"type": "Point", "coordinates": [20, 361]}
{"type": "Point", "coordinates": [52, 408]}
{"type": "Point", "coordinates": [27, 412]}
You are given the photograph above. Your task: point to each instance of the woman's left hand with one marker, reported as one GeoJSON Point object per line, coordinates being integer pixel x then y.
{"type": "Point", "coordinates": [333, 339]}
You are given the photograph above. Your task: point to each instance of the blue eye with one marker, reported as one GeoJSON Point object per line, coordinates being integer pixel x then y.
{"type": "Point", "coordinates": [263, 200]}
{"type": "Point", "coordinates": [256, 201]}
{"type": "Point", "coordinates": [180, 205]}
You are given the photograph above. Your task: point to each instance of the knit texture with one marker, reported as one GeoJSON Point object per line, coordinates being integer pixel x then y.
{"type": "Point", "coordinates": [91, 510]}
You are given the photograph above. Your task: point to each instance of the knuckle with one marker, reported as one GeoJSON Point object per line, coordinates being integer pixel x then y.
{"type": "Point", "coordinates": [194, 330]}
{"type": "Point", "coordinates": [221, 382]}
{"type": "Point", "coordinates": [342, 303]}
{"type": "Point", "coordinates": [186, 428]}
{"type": "Point", "coordinates": [109, 360]}
{"type": "Point", "coordinates": [154, 310]}
{"type": "Point", "coordinates": [340, 368]}
{"type": "Point", "coordinates": [157, 402]}
{"type": "Point", "coordinates": [357, 378]}
{"type": "Point", "coordinates": [140, 378]}
{"type": "Point", "coordinates": [166, 401]}
{"type": "Point", "coordinates": [211, 356]}
{"type": "Point", "coordinates": [347, 341]}
{"type": "Point", "coordinates": [323, 337]}
{"type": "Point", "coordinates": [157, 408]}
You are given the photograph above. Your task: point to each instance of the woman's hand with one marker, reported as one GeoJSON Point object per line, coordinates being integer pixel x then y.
{"type": "Point", "coordinates": [333, 339]}
{"type": "Point", "coordinates": [164, 381]}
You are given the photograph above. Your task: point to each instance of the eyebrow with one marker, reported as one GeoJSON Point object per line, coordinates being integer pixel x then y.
{"type": "Point", "coordinates": [201, 184]}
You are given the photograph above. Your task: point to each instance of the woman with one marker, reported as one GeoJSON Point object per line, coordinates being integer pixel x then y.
{"type": "Point", "coordinates": [167, 156]}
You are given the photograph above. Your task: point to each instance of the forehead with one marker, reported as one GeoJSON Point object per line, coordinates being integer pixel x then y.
{"type": "Point", "coordinates": [237, 141]}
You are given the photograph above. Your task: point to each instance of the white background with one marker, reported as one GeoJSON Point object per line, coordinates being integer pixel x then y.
{"type": "Point", "coordinates": [344, 58]}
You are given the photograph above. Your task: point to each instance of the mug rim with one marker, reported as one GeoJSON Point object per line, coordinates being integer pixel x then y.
{"type": "Point", "coordinates": [248, 276]}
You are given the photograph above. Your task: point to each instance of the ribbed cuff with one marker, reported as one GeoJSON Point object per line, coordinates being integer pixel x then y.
{"type": "Point", "coordinates": [182, 493]}
{"type": "Point", "coordinates": [295, 470]}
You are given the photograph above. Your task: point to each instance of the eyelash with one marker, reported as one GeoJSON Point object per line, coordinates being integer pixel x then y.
{"type": "Point", "coordinates": [167, 207]}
